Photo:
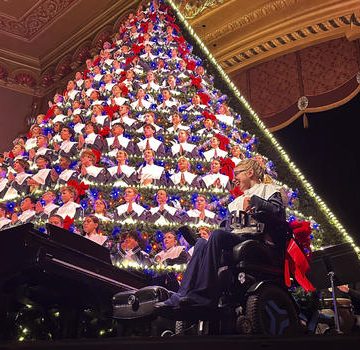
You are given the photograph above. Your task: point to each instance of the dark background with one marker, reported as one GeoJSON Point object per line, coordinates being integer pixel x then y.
{"type": "Point", "coordinates": [327, 153]}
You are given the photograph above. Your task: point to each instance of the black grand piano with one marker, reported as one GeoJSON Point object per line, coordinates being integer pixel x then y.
{"type": "Point", "coordinates": [59, 270]}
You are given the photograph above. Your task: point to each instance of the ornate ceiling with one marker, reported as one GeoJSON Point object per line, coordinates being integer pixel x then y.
{"type": "Point", "coordinates": [43, 40]}
{"type": "Point", "coordinates": [42, 43]}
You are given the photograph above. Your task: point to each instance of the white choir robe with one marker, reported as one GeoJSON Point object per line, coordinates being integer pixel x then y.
{"type": "Point", "coordinates": [153, 142]}
{"type": "Point", "coordinates": [189, 178]}
{"type": "Point", "coordinates": [152, 171]}
{"type": "Point", "coordinates": [145, 104]}
{"type": "Point", "coordinates": [99, 239]}
{"type": "Point", "coordinates": [226, 119]}
{"type": "Point", "coordinates": [69, 209]}
{"type": "Point", "coordinates": [210, 154]}
{"type": "Point", "coordinates": [210, 179]}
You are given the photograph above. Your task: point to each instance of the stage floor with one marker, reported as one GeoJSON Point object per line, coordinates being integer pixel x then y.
{"type": "Point", "coordinates": [334, 342]}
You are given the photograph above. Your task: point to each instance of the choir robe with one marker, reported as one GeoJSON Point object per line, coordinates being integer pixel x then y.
{"type": "Point", "coordinates": [172, 256]}
{"type": "Point", "coordinates": [68, 148]}
{"type": "Point", "coordinates": [125, 144]}
{"type": "Point", "coordinates": [47, 152]}
{"type": "Point", "coordinates": [214, 153]}
{"type": "Point", "coordinates": [70, 209]}
{"type": "Point", "coordinates": [94, 141]}
{"type": "Point", "coordinates": [96, 174]}
{"type": "Point", "coordinates": [190, 179]}
{"type": "Point", "coordinates": [43, 178]}
{"type": "Point", "coordinates": [4, 223]}
{"type": "Point", "coordinates": [103, 120]}
{"type": "Point", "coordinates": [135, 255]}
{"type": "Point", "coordinates": [156, 145]}
{"type": "Point", "coordinates": [127, 177]}
{"type": "Point", "coordinates": [125, 119]}
{"type": "Point", "coordinates": [138, 213]}
{"type": "Point", "coordinates": [189, 150]}
{"type": "Point", "coordinates": [194, 217]}
{"type": "Point", "coordinates": [155, 172]}
{"type": "Point", "coordinates": [210, 179]}
{"type": "Point", "coordinates": [20, 183]}
{"type": "Point", "coordinates": [173, 130]}
{"type": "Point", "coordinates": [97, 238]}
{"type": "Point", "coordinates": [145, 105]}
{"type": "Point", "coordinates": [164, 217]}
{"type": "Point", "coordinates": [49, 209]}
{"type": "Point", "coordinates": [4, 185]}
{"type": "Point", "coordinates": [226, 119]}
{"type": "Point", "coordinates": [67, 175]}
{"type": "Point", "coordinates": [26, 216]}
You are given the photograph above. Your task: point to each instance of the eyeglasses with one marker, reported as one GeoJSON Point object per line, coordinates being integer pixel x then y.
{"type": "Point", "coordinates": [239, 171]}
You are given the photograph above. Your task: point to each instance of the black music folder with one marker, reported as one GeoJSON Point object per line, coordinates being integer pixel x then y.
{"type": "Point", "coordinates": [78, 242]}
{"type": "Point", "coordinates": [341, 259]}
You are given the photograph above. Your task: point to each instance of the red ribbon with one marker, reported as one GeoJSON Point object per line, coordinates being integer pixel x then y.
{"type": "Point", "coordinates": [68, 221]}
{"type": "Point", "coordinates": [297, 265]}
{"type": "Point", "coordinates": [79, 187]}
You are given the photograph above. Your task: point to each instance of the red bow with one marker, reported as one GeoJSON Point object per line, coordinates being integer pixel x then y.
{"type": "Point", "coordinates": [50, 113]}
{"type": "Point", "coordinates": [124, 90]}
{"type": "Point", "coordinates": [302, 232]}
{"type": "Point", "coordinates": [68, 221]}
{"type": "Point", "coordinates": [227, 167]}
{"type": "Point", "coordinates": [224, 141]}
{"type": "Point", "coordinates": [205, 98]}
{"type": "Point", "coordinates": [297, 265]}
{"type": "Point", "coordinates": [208, 115]}
{"type": "Point", "coordinates": [79, 187]}
{"type": "Point", "coordinates": [110, 110]}
{"type": "Point", "coordinates": [105, 131]}
{"type": "Point", "coordinates": [196, 81]}
{"type": "Point", "coordinates": [136, 48]}
{"type": "Point", "coordinates": [190, 65]}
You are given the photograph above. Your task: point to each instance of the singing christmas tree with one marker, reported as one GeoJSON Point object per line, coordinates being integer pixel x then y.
{"type": "Point", "coordinates": [145, 139]}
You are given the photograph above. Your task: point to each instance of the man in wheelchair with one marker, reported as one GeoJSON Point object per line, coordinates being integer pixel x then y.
{"type": "Point", "coordinates": [266, 232]}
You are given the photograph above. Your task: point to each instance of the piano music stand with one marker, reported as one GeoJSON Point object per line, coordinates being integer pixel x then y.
{"type": "Point", "coordinates": [334, 266]}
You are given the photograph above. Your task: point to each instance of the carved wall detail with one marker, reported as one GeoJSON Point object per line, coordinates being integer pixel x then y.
{"type": "Point", "coordinates": [36, 20]}
{"type": "Point", "coordinates": [251, 17]}
{"type": "Point", "coordinates": [193, 8]}
{"type": "Point", "coordinates": [301, 34]}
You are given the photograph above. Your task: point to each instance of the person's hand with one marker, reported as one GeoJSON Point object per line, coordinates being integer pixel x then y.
{"type": "Point", "coordinates": [56, 147]}
{"type": "Point", "coordinates": [246, 204]}
{"type": "Point", "coordinates": [39, 208]}
{"type": "Point", "coordinates": [14, 218]}
{"type": "Point", "coordinates": [344, 288]}
{"type": "Point", "coordinates": [31, 182]}
{"type": "Point", "coordinates": [81, 141]}
{"type": "Point", "coordinates": [11, 177]}
{"type": "Point", "coordinates": [54, 175]}
{"type": "Point", "coordinates": [83, 170]}
{"type": "Point", "coordinates": [31, 154]}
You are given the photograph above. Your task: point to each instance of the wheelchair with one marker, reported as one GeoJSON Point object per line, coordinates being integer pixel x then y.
{"type": "Point", "coordinates": [253, 300]}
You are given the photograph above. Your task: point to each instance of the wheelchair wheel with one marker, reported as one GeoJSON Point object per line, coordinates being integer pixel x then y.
{"type": "Point", "coordinates": [272, 312]}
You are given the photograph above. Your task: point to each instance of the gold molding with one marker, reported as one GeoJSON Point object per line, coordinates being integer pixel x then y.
{"type": "Point", "coordinates": [191, 9]}
{"type": "Point", "coordinates": [249, 18]}
{"type": "Point", "coordinates": [294, 40]}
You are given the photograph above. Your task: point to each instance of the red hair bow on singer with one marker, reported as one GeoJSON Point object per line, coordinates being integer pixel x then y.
{"type": "Point", "coordinates": [208, 115]}
{"type": "Point", "coordinates": [227, 167]}
{"type": "Point", "coordinates": [223, 140]}
{"type": "Point", "coordinates": [196, 81]}
{"type": "Point", "coordinates": [79, 187]}
{"type": "Point", "coordinates": [68, 221]}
